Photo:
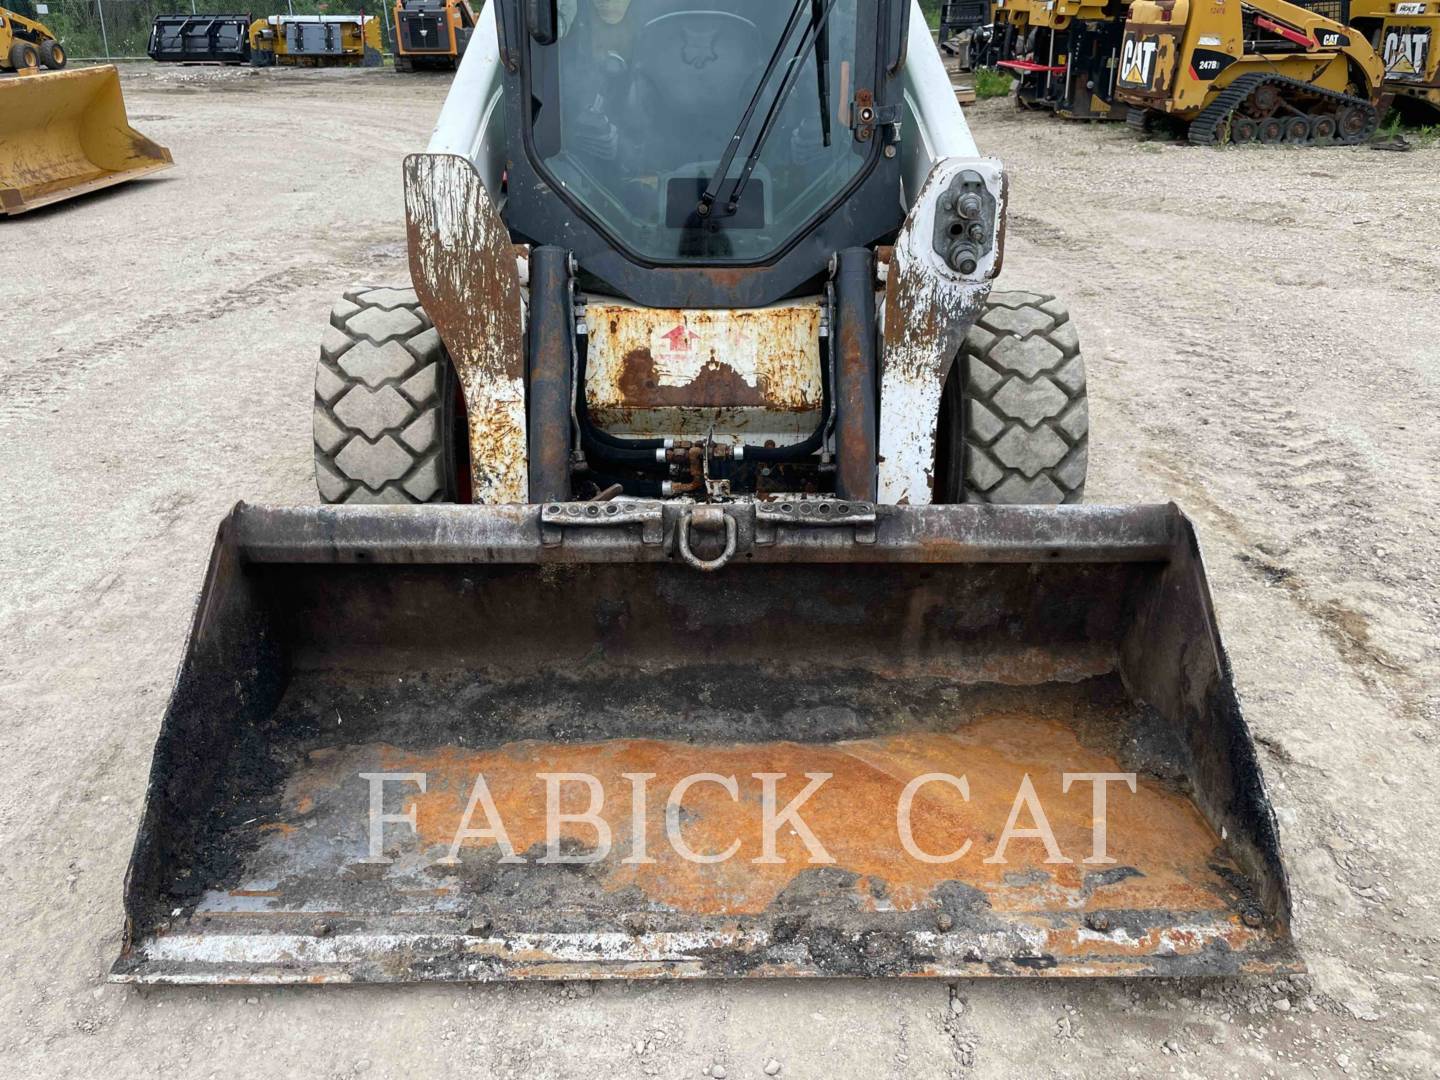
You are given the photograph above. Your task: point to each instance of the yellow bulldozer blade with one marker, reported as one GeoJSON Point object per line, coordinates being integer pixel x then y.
{"type": "Point", "coordinates": [470, 743]}
{"type": "Point", "coordinates": [63, 133]}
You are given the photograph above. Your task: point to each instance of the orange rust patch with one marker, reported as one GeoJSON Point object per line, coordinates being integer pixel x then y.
{"type": "Point", "coordinates": [1155, 831]}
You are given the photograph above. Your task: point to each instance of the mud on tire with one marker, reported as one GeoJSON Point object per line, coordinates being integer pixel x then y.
{"type": "Point", "coordinates": [385, 418]}
{"type": "Point", "coordinates": [1014, 423]}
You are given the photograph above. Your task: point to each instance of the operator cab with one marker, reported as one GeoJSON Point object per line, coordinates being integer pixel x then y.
{"type": "Point", "coordinates": [680, 137]}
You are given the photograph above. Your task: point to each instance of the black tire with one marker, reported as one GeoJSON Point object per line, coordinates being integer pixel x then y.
{"type": "Point", "coordinates": [52, 55]}
{"type": "Point", "coordinates": [1014, 419]}
{"type": "Point", "coordinates": [24, 55]}
{"type": "Point", "coordinates": [388, 425]}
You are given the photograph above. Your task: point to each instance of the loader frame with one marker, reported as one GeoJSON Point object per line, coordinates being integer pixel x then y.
{"type": "Point", "coordinates": [462, 228]}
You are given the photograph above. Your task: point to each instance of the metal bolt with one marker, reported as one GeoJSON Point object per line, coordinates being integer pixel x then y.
{"type": "Point", "coordinates": [1098, 920]}
{"type": "Point", "coordinates": [944, 921]}
{"type": "Point", "coordinates": [890, 150]}
{"type": "Point", "coordinates": [320, 929]}
{"type": "Point", "coordinates": [1252, 917]}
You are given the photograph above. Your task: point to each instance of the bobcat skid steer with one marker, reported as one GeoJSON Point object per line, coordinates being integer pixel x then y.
{"type": "Point", "coordinates": [693, 595]}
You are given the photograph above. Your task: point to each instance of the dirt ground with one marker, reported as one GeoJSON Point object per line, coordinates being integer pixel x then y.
{"type": "Point", "coordinates": [1263, 335]}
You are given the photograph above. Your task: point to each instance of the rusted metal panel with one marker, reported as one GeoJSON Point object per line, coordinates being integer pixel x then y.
{"type": "Point", "coordinates": [617, 532]}
{"type": "Point", "coordinates": [672, 371]}
{"type": "Point", "coordinates": [928, 308]}
{"type": "Point", "coordinates": [857, 408]}
{"type": "Point", "coordinates": [463, 267]}
{"type": "Point", "coordinates": [950, 644]}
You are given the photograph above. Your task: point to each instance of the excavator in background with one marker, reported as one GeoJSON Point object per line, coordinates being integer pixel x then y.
{"type": "Point", "coordinates": [1250, 71]}
{"type": "Point", "coordinates": [1063, 53]}
{"type": "Point", "coordinates": [1403, 32]}
{"type": "Point", "coordinates": [432, 33]}
{"type": "Point", "coordinates": [701, 586]}
{"type": "Point", "coordinates": [26, 44]}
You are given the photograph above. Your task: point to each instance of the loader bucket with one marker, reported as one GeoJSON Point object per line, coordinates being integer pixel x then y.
{"type": "Point", "coordinates": [63, 133]}
{"type": "Point", "coordinates": [383, 716]}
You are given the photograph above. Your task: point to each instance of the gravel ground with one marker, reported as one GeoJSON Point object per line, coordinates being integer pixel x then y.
{"type": "Point", "coordinates": [1261, 329]}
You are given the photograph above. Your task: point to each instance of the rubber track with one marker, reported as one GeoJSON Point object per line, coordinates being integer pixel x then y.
{"type": "Point", "coordinates": [1205, 128]}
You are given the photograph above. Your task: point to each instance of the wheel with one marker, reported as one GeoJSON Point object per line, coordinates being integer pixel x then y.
{"type": "Point", "coordinates": [389, 424]}
{"type": "Point", "coordinates": [52, 55]}
{"type": "Point", "coordinates": [1244, 129]}
{"type": "Point", "coordinates": [1297, 130]}
{"type": "Point", "coordinates": [1014, 423]}
{"type": "Point", "coordinates": [1272, 130]}
{"type": "Point", "coordinates": [1266, 97]}
{"type": "Point", "coordinates": [1352, 122]}
{"type": "Point", "coordinates": [1322, 128]}
{"type": "Point", "coordinates": [24, 55]}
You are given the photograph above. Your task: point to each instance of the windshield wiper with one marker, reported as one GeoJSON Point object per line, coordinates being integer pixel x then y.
{"type": "Point", "coordinates": [712, 189]}
{"type": "Point", "coordinates": [815, 37]}
{"type": "Point", "coordinates": [812, 35]}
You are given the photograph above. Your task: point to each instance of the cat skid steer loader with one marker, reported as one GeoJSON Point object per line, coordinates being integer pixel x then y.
{"type": "Point", "coordinates": [1250, 71]}
{"type": "Point", "coordinates": [1403, 32]}
{"type": "Point", "coordinates": [691, 598]}
{"type": "Point", "coordinates": [1064, 54]}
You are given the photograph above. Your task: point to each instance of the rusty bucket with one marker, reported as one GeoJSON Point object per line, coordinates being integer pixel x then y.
{"type": "Point", "coordinates": [472, 743]}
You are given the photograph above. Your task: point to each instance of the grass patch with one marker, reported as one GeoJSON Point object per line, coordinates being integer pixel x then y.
{"type": "Point", "coordinates": [990, 83]}
{"type": "Point", "coordinates": [1395, 127]}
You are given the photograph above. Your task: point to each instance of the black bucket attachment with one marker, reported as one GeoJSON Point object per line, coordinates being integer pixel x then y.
{"type": "Point", "coordinates": [471, 743]}
{"type": "Point", "coordinates": [201, 39]}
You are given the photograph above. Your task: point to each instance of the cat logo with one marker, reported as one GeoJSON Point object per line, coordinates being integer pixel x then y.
{"type": "Point", "coordinates": [1406, 51]}
{"type": "Point", "coordinates": [1137, 61]}
{"type": "Point", "coordinates": [1330, 39]}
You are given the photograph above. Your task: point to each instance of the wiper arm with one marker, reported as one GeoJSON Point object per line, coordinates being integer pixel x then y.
{"type": "Point", "coordinates": [808, 42]}
{"type": "Point", "coordinates": [712, 189]}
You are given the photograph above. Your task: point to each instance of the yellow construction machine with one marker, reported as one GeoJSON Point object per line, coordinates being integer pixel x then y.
{"type": "Point", "coordinates": [26, 44]}
{"type": "Point", "coordinates": [1239, 71]}
{"type": "Point", "coordinates": [701, 586]}
{"type": "Point", "coordinates": [1064, 53]}
{"type": "Point", "coordinates": [1403, 32]}
{"type": "Point", "coordinates": [316, 41]}
{"type": "Point", "coordinates": [432, 33]}
{"type": "Point", "coordinates": [64, 133]}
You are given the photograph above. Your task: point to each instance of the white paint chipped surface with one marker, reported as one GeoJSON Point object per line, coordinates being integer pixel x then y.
{"type": "Point", "coordinates": [928, 307]}
{"type": "Point", "coordinates": [463, 267]}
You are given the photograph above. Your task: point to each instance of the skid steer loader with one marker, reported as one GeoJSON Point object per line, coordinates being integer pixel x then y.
{"type": "Point", "coordinates": [65, 133]}
{"type": "Point", "coordinates": [1064, 54]}
{"type": "Point", "coordinates": [1256, 71]}
{"type": "Point", "coordinates": [432, 33]}
{"type": "Point", "coordinates": [722, 619]}
{"type": "Point", "coordinates": [26, 44]}
{"type": "Point", "coordinates": [1403, 33]}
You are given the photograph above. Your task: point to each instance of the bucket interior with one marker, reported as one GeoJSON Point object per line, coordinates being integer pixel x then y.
{"type": "Point", "coordinates": [652, 703]}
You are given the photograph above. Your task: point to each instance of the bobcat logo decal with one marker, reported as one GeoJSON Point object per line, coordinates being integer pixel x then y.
{"type": "Point", "coordinates": [699, 48]}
